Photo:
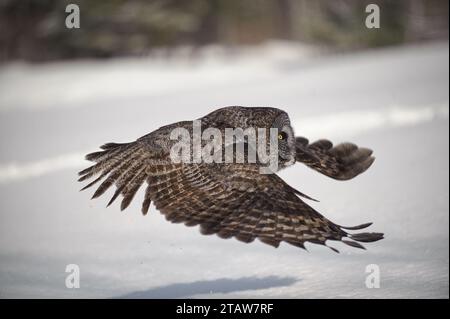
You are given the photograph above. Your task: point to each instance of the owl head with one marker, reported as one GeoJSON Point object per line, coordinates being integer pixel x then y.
{"type": "Point", "coordinates": [279, 131]}
{"type": "Point", "coordinates": [286, 140]}
{"type": "Point", "coordinates": [275, 122]}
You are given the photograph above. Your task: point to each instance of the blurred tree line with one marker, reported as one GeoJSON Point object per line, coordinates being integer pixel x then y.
{"type": "Point", "coordinates": [35, 30]}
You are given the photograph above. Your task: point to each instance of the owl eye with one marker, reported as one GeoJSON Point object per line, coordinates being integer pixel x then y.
{"type": "Point", "coordinates": [282, 136]}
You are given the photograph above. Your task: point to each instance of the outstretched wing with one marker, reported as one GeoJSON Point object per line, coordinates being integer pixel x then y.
{"type": "Point", "coordinates": [230, 200]}
{"type": "Point", "coordinates": [127, 166]}
{"type": "Point", "coordinates": [341, 162]}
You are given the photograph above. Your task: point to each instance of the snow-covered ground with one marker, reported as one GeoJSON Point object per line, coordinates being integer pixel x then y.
{"type": "Point", "coordinates": [395, 101]}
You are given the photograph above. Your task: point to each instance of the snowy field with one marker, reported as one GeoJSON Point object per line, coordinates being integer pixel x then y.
{"type": "Point", "coordinates": [395, 101]}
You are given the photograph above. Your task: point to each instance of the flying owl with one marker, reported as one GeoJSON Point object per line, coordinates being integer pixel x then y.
{"type": "Point", "coordinates": [230, 198]}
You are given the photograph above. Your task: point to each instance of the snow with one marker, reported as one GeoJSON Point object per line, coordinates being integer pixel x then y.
{"type": "Point", "coordinates": [394, 101]}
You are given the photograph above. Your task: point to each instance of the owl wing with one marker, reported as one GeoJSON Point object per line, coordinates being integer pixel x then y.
{"type": "Point", "coordinates": [230, 200]}
{"type": "Point", "coordinates": [341, 162]}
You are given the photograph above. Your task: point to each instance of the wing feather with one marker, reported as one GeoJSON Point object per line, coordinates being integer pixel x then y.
{"type": "Point", "coordinates": [342, 162]}
{"type": "Point", "coordinates": [230, 200]}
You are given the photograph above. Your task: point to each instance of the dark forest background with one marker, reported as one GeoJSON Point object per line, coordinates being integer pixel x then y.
{"type": "Point", "coordinates": [34, 30]}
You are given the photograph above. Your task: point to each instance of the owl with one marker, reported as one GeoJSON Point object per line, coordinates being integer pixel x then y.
{"type": "Point", "coordinates": [227, 196]}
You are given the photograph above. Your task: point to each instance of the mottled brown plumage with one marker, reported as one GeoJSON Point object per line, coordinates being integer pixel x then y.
{"type": "Point", "coordinates": [342, 162]}
{"type": "Point", "coordinates": [231, 199]}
